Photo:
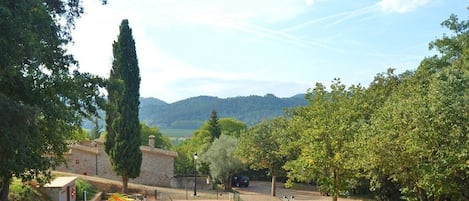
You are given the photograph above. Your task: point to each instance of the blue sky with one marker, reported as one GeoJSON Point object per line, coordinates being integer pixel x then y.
{"type": "Point", "coordinates": [230, 48]}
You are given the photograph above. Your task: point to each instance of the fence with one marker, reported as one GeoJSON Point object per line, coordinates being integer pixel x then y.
{"type": "Point", "coordinates": [188, 194]}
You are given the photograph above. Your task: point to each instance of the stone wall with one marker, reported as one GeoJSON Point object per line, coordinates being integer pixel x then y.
{"type": "Point", "coordinates": [89, 158]}
{"type": "Point", "coordinates": [203, 182]}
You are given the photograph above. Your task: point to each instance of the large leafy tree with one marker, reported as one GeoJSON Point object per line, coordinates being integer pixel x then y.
{"type": "Point", "coordinates": [380, 90]}
{"type": "Point", "coordinates": [231, 126]}
{"type": "Point", "coordinates": [423, 144]}
{"type": "Point", "coordinates": [43, 96]}
{"type": "Point", "coordinates": [261, 147]}
{"type": "Point", "coordinates": [329, 126]}
{"type": "Point", "coordinates": [123, 126]}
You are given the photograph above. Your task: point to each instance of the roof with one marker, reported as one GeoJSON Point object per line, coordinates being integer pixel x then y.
{"type": "Point", "coordinates": [60, 182]}
{"type": "Point", "coordinates": [158, 151]}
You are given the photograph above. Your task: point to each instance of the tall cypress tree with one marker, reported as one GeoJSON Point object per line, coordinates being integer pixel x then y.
{"type": "Point", "coordinates": [123, 126]}
{"type": "Point", "coordinates": [213, 126]}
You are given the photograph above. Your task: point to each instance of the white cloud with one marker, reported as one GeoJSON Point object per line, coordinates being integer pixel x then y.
{"type": "Point", "coordinates": [167, 77]}
{"type": "Point", "coordinates": [401, 6]}
{"type": "Point", "coordinates": [98, 28]}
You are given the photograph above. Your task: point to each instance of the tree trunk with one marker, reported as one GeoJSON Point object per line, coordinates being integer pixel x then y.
{"type": "Point", "coordinates": [4, 188]}
{"type": "Point", "coordinates": [125, 182]}
{"type": "Point", "coordinates": [335, 194]}
{"type": "Point", "coordinates": [274, 180]}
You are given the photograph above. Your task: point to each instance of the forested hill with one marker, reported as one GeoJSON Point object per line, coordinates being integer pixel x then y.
{"type": "Point", "coordinates": [192, 112]}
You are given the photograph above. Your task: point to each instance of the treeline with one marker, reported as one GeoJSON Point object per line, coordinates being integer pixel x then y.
{"type": "Point", "coordinates": [192, 112]}
{"type": "Point", "coordinates": [404, 137]}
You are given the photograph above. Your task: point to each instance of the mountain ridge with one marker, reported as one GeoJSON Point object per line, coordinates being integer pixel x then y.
{"type": "Point", "coordinates": [190, 113]}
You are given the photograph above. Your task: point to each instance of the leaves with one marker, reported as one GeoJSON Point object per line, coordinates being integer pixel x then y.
{"type": "Point", "coordinates": [221, 159]}
{"type": "Point", "coordinates": [42, 93]}
{"type": "Point", "coordinates": [328, 128]}
{"type": "Point", "coordinates": [122, 123]}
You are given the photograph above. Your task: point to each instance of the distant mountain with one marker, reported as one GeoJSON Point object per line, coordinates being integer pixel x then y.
{"type": "Point", "coordinates": [152, 102]}
{"type": "Point", "coordinates": [192, 112]}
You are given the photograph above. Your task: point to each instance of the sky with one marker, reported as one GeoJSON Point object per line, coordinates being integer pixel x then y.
{"type": "Point", "coordinates": [230, 48]}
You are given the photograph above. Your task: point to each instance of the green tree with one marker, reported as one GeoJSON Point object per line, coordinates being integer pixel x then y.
{"type": "Point", "coordinates": [419, 138]}
{"type": "Point", "coordinates": [124, 137]}
{"type": "Point", "coordinates": [213, 126]}
{"type": "Point", "coordinates": [329, 126]}
{"type": "Point", "coordinates": [96, 131]}
{"type": "Point", "coordinates": [184, 163]}
{"type": "Point", "coordinates": [261, 147]}
{"type": "Point", "coordinates": [161, 141]}
{"type": "Point", "coordinates": [379, 91]}
{"type": "Point", "coordinates": [221, 159]}
{"type": "Point", "coordinates": [43, 96]}
{"type": "Point", "coordinates": [231, 126]}
{"type": "Point", "coordinates": [200, 141]}
{"type": "Point", "coordinates": [423, 144]}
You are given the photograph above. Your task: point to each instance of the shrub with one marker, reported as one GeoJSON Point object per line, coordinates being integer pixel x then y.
{"type": "Point", "coordinates": [83, 185]}
{"type": "Point", "coordinates": [23, 192]}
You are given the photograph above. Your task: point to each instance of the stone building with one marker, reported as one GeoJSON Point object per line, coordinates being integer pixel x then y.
{"type": "Point", "coordinates": [89, 158]}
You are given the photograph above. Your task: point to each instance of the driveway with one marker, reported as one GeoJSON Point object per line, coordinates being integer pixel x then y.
{"type": "Point", "coordinates": [260, 191]}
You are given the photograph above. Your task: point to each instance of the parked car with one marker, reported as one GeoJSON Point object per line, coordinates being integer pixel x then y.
{"type": "Point", "coordinates": [240, 181]}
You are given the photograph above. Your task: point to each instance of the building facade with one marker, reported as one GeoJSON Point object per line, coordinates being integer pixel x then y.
{"type": "Point", "coordinates": [61, 189]}
{"type": "Point", "coordinates": [89, 158]}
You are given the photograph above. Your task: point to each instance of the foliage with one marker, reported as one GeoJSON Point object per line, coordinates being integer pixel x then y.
{"type": "Point", "coordinates": [379, 91]}
{"type": "Point", "coordinates": [184, 164]}
{"type": "Point", "coordinates": [213, 126]}
{"type": "Point", "coordinates": [200, 142]}
{"type": "Point", "coordinates": [24, 192]}
{"type": "Point", "coordinates": [426, 145]}
{"type": "Point", "coordinates": [261, 147]}
{"type": "Point", "coordinates": [79, 135]}
{"type": "Point", "coordinates": [123, 137]}
{"type": "Point", "coordinates": [43, 96]}
{"type": "Point", "coordinates": [419, 137]}
{"type": "Point", "coordinates": [231, 127]}
{"type": "Point", "coordinates": [221, 159]}
{"type": "Point", "coordinates": [329, 125]}
{"type": "Point", "coordinates": [161, 141]}
{"type": "Point", "coordinates": [96, 131]}
{"type": "Point", "coordinates": [83, 185]}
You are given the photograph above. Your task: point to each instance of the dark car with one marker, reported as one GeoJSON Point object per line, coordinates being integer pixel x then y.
{"type": "Point", "coordinates": [240, 181]}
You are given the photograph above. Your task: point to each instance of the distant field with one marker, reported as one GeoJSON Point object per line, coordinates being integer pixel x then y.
{"type": "Point", "coordinates": [177, 132]}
